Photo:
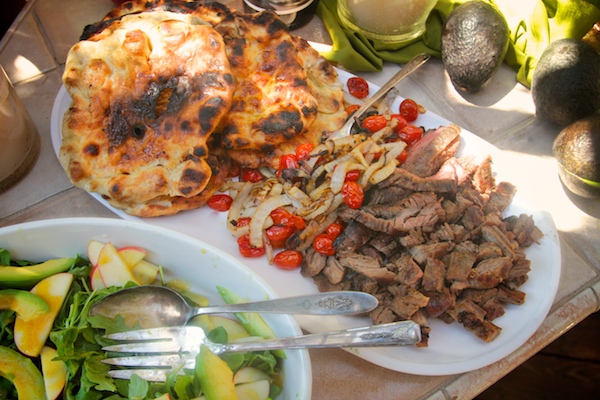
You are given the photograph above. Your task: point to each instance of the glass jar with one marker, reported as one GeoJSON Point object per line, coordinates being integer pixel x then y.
{"type": "Point", "coordinates": [19, 139]}
{"type": "Point", "coordinates": [393, 21]}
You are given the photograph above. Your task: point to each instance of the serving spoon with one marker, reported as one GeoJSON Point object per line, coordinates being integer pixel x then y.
{"type": "Point", "coordinates": [157, 306]}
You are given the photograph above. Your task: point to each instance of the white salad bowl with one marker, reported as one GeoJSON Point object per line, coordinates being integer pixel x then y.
{"type": "Point", "coordinates": [201, 265]}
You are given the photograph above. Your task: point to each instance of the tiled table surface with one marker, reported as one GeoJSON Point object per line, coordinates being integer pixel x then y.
{"type": "Point", "coordinates": [33, 54]}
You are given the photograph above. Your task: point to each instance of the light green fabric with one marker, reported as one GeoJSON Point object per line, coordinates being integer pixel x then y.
{"type": "Point", "coordinates": [551, 20]}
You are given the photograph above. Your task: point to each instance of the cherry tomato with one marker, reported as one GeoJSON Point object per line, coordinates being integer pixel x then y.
{"type": "Point", "coordinates": [287, 161]}
{"type": "Point", "coordinates": [288, 259]}
{"type": "Point", "coordinates": [410, 134]}
{"type": "Point", "coordinates": [374, 123]}
{"type": "Point", "coordinates": [243, 221]}
{"type": "Point", "coordinates": [351, 109]}
{"type": "Point", "coordinates": [402, 156]}
{"type": "Point", "coordinates": [220, 202]}
{"type": "Point", "coordinates": [247, 250]}
{"type": "Point", "coordinates": [279, 234]}
{"type": "Point", "coordinates": [358, 87]}
{"type": "Point", "coordinates": [323, 244]}
{"type": "Point", "coordinates": [303, 150]}
{"type": "Point", "coordinates": [334, 230]}
{"type": "Point", "coordinates": [401, 122]}
{"type": "Point", "coordinates": [409, 109]}
{"type": "Point", "coordinates": [353, 194]}
{"type": "Point", "coordinates": [251, 175]}
{"type": "Point", "coordinates": [234, 170]}
{"type": "Point", "coordinates": [281, 216]}
{"type": "Point", "coordinates": [352, 175]}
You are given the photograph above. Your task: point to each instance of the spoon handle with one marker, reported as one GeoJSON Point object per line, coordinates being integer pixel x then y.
{"type": "Point", "coordinates": [392, 334]}
{"type": "Point", "coordinates": [329, 303]}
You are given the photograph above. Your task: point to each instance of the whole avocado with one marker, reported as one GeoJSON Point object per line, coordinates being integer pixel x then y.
{"type": "Point", "coordinates": [577, 151]}
{"type": "Point", "coordinates": [474, 43]}
{"type": "Point", "coordinates": [566, 82]}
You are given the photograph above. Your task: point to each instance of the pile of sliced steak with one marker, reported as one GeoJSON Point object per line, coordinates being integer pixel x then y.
{"type": "Point", "coordinates": [431, 241]}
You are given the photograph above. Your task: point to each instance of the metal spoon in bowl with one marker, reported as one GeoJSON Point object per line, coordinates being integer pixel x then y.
{"type": "Point", "coordinates": [157, 306]}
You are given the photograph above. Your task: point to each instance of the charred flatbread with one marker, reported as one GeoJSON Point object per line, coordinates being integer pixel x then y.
{"type": "Point", "coordinates": [148, 91]}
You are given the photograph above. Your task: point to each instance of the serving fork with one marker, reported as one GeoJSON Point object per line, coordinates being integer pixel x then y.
{"type": "Point", "coordinates": [161, 351]}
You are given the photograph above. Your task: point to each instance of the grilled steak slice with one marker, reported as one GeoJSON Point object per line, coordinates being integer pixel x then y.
{"type": "Point", "coordinates": [433, 275]}
{"type": "Point", "coordinates": [407, 301]}
{"type": "Point", "coordinates": [406, 179]}
{"type": "Point", "coordinates": [367, 266]}
{"type": "Point", "coordinates": [334, 270]}
{"type": "Point", "coordinates": [408, 271]}
{"type": "Point", "coordinates": [435, 147]}
{"type": "Point", "coordinates": [439, 302]}
{"type": "Point", "coordinates": [352, 238]}
{"type": "Point", "coordinates": [313, 263]}
{"type": "Point", "coordinates": [490, 273]}
{"type": "Point", "coordinates": [471, 316]}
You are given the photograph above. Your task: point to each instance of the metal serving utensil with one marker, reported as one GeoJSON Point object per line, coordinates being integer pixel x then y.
{"type": "Point", "coordinates": [157, 306]}
{"type": "Point", "coordinates": [160, 350]}
{"type": "Point", "coordinates": [407, 69]}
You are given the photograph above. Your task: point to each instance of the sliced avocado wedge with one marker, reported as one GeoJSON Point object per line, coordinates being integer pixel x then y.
{"type": "Point", "coordinates": [26, 304]}
{"type": "Point", "coordinates": [22, 373]}
{"type": "Point", "coordinates": [27, 277]}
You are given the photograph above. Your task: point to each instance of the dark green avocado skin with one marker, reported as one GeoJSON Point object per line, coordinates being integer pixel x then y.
{"type": "Point", "coordinates": [577, 152]}
{"type": "Point", "coordinates": [474, 43]}
{"type": "Point", "coordinates": [566, 82]}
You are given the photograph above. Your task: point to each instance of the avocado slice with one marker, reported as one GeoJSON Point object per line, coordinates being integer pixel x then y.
{"type": "Point", "coordinates": [577, 151]}
{"type": "Point", "coordinates": [26, 304]}
{"type": "Point", "coordinates": [566, 82]}
{"type": "Point", "coordinates": [215, 376]}
{"type": "Point", "coordinates": [474, 43]}
{"type": "Point", "coordinates": [22, 373]}
{"type": "Point", "coordinates": [27, 277]}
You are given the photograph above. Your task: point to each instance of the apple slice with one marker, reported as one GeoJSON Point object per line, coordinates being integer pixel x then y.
{"type": "Point", "coordinates": [30, 336]}
{"type": "Point", "coordinates": [145, 272]}
{"type": "Point", "coordinates": [132, 255]}
{"type": "Point", "coordinates": [53, 371]}
{"type": "Point", "coordinates": [93, 250]}
{"type": "Point", "coordinates": [249, 374]}
{"type": "Point", "coordinates": [96, 279]}
{"type": "Point", "coordinates": [113, 270]}
{"type": "Point", "coordinates": [257, 390]}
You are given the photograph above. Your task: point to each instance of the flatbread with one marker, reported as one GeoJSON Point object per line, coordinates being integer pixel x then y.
{"type": "Point", "coordinates": [148, 91]}
{"type": "Point", "coordinates": [286, 93]}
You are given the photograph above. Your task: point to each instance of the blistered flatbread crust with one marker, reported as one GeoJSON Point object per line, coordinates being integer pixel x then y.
{"type": "Point", "coordinates": [148, 91]}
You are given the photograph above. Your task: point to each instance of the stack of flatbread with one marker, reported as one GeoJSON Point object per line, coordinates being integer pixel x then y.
{"type": "Point", "coordinates": [166, 93]}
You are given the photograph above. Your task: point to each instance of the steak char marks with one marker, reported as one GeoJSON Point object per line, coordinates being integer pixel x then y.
{"type": "Point", "coordinates": [431, 242]}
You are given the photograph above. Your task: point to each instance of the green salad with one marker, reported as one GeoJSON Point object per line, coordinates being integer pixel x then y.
{"type": "Point", "coordinates": [76, 340]}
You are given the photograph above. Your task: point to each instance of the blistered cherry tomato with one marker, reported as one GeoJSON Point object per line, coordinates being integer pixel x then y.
{"type": "Point", "coordinates": [323, 244]}
{"type": "Point", "coordinates": [288, 259]}
{"type": "Point", "coordinates": [279, 234]}
{"type": "Point", "coordinates": [351, 109]}
{"type": "Point", "coordinates": [303, 150]}
{"type": "Point", "coordinates": [287, 161]}
{"type": "Point", "coordinates": [352, 175]}
{"type": "Point", "coordinates": [220, 202]}
{"type": "Point", "coordinates": [401, 122]}
{"type": "Point", "coordinates": [251, 175]}
{"type": "Point", "coordinates": [402, 156]}
{"type": "Point", "coordinates": [247, 250]}
{"type": "Point", "coordinates": [281, 216]}
{"type": "Point", "coordinates": [235, 170]}
{"type": "Point", "coordinates": [409, 109]}
{"type": "Point", "coordinates": [374, 123]}
{"type": "Point", "coordinates": [334, 230]}
{"type": "Point", "coordinates": [410, 134]}
{"type": "Point", "coordinates": [353, 194]}
{"type": "Point", "coordinates": [243, 221]}
{"type": "Point", "coordinates": [358, 87]}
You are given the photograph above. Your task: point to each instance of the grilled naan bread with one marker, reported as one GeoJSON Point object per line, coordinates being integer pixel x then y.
{"type": "Point", "coordinates": [286, 93]}
{"type": "Point", "coordinates": [148, 91]}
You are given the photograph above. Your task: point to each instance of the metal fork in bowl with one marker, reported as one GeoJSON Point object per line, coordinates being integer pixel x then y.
{"type": "Point", "coordinates": [161, 350]}
{"type": "Point", "coordinates": [407, 69]}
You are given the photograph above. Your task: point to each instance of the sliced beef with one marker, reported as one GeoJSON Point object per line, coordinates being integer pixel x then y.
{"type": "Point", "coordinates": [367, 266]}
{"type": "Point", "coordinates": [490, 273]}
{"type": "Point", "coordinates": [408, 271]}
{"type": "Point", "coordinates": [334, 270]}
{"type": "Point", "coordinates": [313, 263]}
{"type": "Point", "coordinates": [472, 317]}
{"type": "Point", "coordinates": [435, 147]}
{"type": "Point", "coordinates": [460, 264]}
{"type": "Point", "coordinates": [407, 180]}
{"type": "Point", "coordinates": [433, 275]}
{"type": "Point", "coordinates": [353, 237]}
